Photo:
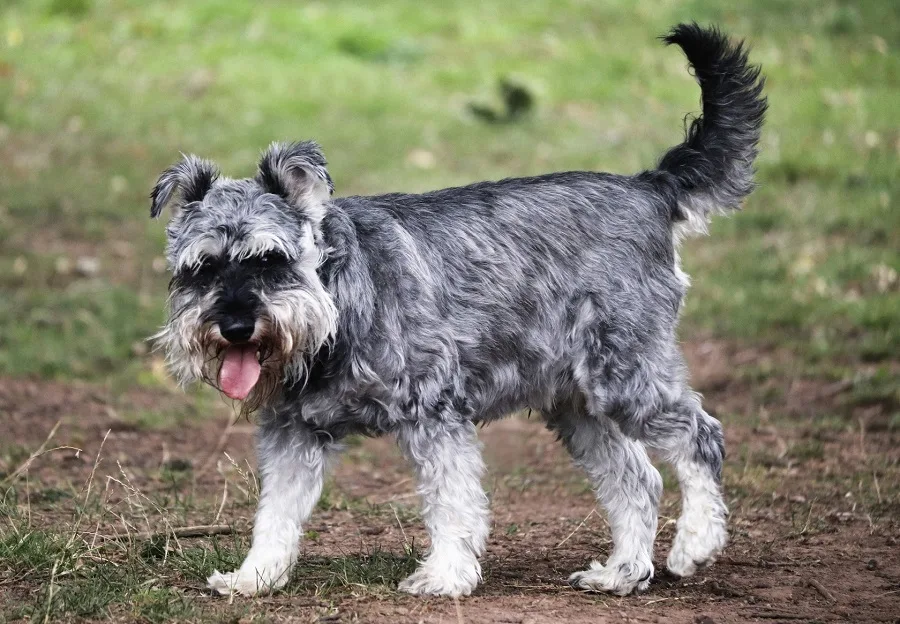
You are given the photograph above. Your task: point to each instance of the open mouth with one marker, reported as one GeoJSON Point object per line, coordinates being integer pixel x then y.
{"type": "Point", "coordinates": [241, 366]}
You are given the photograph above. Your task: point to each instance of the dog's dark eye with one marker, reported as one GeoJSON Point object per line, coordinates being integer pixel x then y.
{"type": "Point", "coordinates": [273, 258]}
{"type": "Point", "coordinates": [206, 267]}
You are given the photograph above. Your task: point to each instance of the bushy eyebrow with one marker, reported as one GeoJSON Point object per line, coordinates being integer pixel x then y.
{"type": "Point", "coordinates": [257, 245]}
{"type": "Point", "coordinates": [210, 246]}
{"type": "Point", "coordinates": [239, 243]}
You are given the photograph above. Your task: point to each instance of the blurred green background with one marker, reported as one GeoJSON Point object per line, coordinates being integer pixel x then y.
{"type": "Point", "coordinates": [98, 96]}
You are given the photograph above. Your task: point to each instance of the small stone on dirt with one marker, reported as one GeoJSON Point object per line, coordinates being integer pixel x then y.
{"type": "Point", "coordinates": [87, 266]}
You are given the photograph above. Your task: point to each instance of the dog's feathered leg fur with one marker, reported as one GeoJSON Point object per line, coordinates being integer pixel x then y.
{"type": "Point", "coordinates": [292, 462]}
{"type": "Point", "coordinates": [448, 465]}
{"type": "Point", "coordinates": [627, 486]}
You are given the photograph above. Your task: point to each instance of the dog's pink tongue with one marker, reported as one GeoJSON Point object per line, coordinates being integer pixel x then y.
{"type": "Point", "coordinates": [239, 372]}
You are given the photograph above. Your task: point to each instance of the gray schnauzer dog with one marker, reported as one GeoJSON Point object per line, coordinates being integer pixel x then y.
{"type": "Point", "coordinates": [422, 316]}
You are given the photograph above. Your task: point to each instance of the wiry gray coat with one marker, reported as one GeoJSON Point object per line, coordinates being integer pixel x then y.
{"type": "Point", "coordinates": [421, 315]}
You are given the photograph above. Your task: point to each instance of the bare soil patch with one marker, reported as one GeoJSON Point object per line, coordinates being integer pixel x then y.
{"type": "Point", "coordinates": [815, 509]}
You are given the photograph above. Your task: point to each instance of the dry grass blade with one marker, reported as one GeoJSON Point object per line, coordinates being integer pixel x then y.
{"type": "Point", "coordinates": [41, 450]}
{"type": "Point", "coordinates": [580, 524]}
{"type": "Point", "coordinates": [459, 614]}
{"type": "Point", "coordinates": [406, 543]}
{"type": "Point", "coordinates": [220, 446]}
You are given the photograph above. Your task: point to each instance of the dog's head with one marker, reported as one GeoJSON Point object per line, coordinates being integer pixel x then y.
{"type": "Point", "coordinates": [246, 305]}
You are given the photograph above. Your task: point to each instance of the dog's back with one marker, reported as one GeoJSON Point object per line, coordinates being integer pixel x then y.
{"type": "Point", "coordinates": [498, 281]}
{"type": "Point", "coordinates": [505, 289]}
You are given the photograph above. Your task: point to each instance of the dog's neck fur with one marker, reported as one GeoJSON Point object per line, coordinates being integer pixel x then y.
{"type": "Point", "coordinates": [355, 300]}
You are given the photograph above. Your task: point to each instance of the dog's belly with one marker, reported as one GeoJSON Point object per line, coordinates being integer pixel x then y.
{"type": "Point", "coordinates": [485, 395]}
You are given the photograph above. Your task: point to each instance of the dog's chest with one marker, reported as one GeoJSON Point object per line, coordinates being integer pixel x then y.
{"type": "Point", "coordinates": [339, 417]}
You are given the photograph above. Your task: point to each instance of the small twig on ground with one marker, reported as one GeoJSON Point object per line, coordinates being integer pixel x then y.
{"type": "Point", "coordinates": [762, 563]}
{"type": "Point", "coordinates": [581, 524]}
{"type": "Point", "coordinates": [787, 564]}
{"type": "Point", "coordinates": [650, 602]}
{"type": "Point", "coordinates": [823, 591]}
{"type": "Point", "coordinates": [777, 615]}
{"type": "Point", "coordinates": [203, 530]}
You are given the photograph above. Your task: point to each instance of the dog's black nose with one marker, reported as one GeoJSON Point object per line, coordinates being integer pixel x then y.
{"type": "Point", "coordinates": [237, 328]}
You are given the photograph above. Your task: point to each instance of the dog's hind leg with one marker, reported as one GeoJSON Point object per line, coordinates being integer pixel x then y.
{"type": "Point", "coordinates": [292, 464]}
{"type": "Point", "coordinates": [447, 459]}
{"type": "Point", "coordinates": [627, 486]}
{"type": "Point", "coordinates": [692, 442]}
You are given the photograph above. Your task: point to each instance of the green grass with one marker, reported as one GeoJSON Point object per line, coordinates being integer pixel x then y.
{"type": "Point", "coordinates": [375, 574]}
{"type": "Point", "coordinates": [100, 95]}
{"type": "Point", "coordinates": [76, 579]}
{"type": "Point", "coordinates": [144, 587]}
{"type": "Point", "coordinates": [79, 569]}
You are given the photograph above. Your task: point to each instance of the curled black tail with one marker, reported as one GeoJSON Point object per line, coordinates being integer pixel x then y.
{"type": "Point", "coordinates": [713, 168]}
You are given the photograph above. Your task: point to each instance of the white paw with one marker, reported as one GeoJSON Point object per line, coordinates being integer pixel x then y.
{"type": "Point", "coordinates": [620, 579]}
{"type": "Point", "coordinates": [247, 582]}
{"type": "Point", "coordinates": [432, 579]}
{"type": "Point", "coordinates": [700, 538]}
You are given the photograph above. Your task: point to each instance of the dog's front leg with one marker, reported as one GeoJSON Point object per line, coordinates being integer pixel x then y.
{"type": "Point", "coordinates": [292, 468]}
{"type": "Point", "coordinates": [447, 459]}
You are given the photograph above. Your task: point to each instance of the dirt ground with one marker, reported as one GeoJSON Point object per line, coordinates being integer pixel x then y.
{"type": "Point", "coordinates": [814, 525]}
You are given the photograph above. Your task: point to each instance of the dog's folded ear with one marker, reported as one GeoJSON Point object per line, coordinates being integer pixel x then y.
{"type": "Point", "coordinates": [189, 179]}
{"type": "Point", "coordinates": [297, 172]}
